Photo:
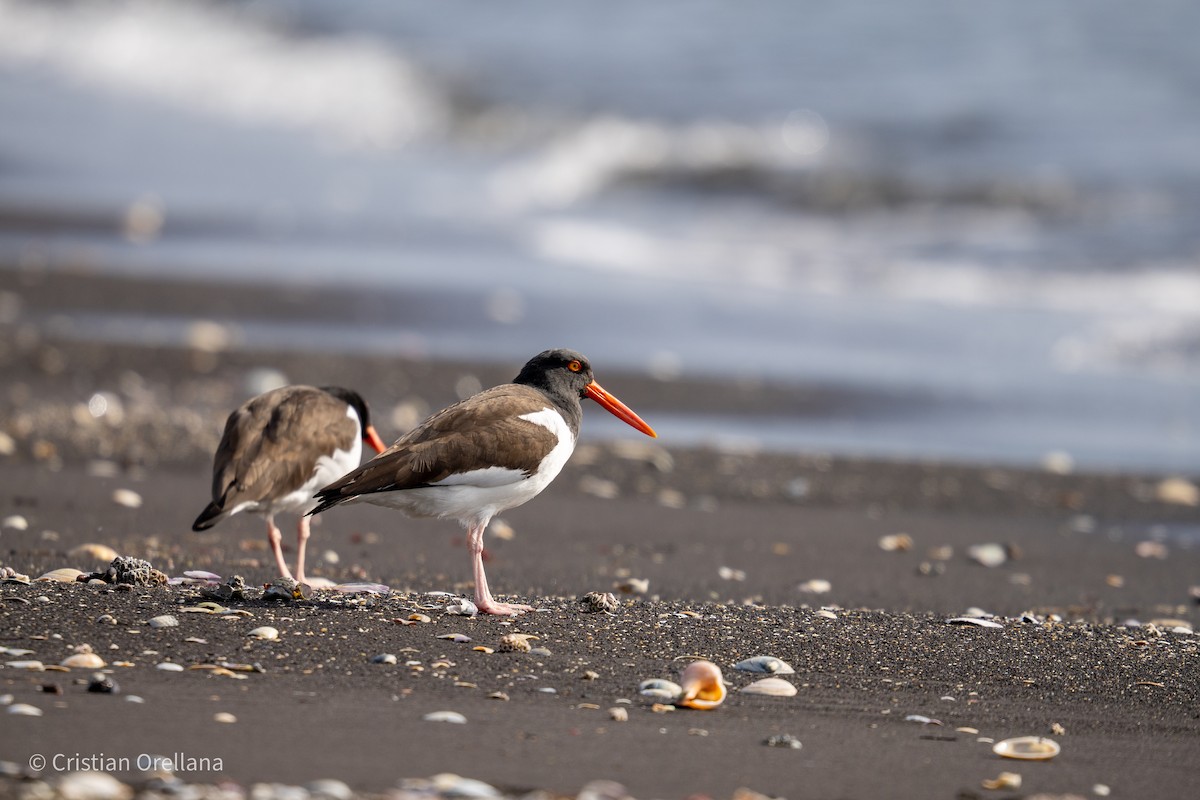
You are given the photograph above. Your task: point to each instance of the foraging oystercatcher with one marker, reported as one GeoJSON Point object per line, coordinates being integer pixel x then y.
{"type": "Point", "coordinates": [490, 452]}
{"type": "Point", "coordinates": [278, 449]}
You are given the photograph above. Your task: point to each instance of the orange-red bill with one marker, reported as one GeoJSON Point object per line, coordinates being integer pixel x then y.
{"type": "Point", "coordinates": [371, 437]}
{"type": "Point", "coordinates": [618, 409]}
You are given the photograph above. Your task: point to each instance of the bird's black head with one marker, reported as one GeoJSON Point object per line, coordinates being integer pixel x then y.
{"type": "Point", "coordinates": [556, 371]}
{"type": "Point", "coordinates": [567, 376]}
{"type": "Point", "coordinates": [352, 399]}
{"type": "Point", "coordinates": [355, 401]}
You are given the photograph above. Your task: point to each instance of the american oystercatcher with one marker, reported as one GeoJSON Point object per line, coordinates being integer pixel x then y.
{"type": "Point", "coordinates": [490, 452]}
{"type": "Point", "coordinates": [278, 449]}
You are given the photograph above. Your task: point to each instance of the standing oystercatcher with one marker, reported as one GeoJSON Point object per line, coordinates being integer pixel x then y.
{"type": "Point", "coordinates": [278, 449]}
{"type": "Point", "coordinates": [490, 452]}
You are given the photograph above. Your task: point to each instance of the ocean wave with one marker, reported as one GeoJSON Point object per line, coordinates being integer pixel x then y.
{"type": "Point", "coordinates": [353, 89]}
{"type": "Point", "coordinates": [794, 161]}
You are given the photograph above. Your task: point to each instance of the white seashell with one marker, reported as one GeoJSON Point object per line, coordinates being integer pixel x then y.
{"type": "Point", "coordinates": [445, 716]}
{"type": "Point", "coordinates": [15, 651]}
{"type": "Point", "coordinates": [384, 658]}
{"type": "Point", "coordinates": [618, 714]}
{"type": "Point", "coordinates": [92, 786]}
{"type": "Point", "coordinates": [99, 553]}
{"type": "Point", "coordinates": [660, 689]}
{"type": "Point", "coordinates": [266, 632]}
{"type": "Point", "coordinates": [63, 575]}
{"type": "Point", "coordinates": [128, 498]}
{"type": "Point", "coordinates": [768, 664]}
{"type": "Point", "coordinates": [24, 709]}
{"type": "Point", "coordinates": [1177, 491]}
{"type": "Point", "coordinates": [16, 522]}
{"type": "Point", "coordinates": [772, 687]}
{"type": "Point", "coordinates": [169, 666]}
{"type": "Point", "coordinates": [225, 717]}
{"type": "Point", "coordinates": [83, 661]}
{"type": "Point", "coordinates": [462, 607]}
{"type": "Point", "coordinates": [976, 621]}
{"type": "Point", "coordinates": [1028, 748]}
{"type": "Point", "coordinates": [1005, 780]}
{"type": "Point", "coordinates": [989, 555]}
{"type": "Point", "coordinates": [815, 586]}
{"type": "Point", "coordinates": [31, 665]}
{"type": "Point", "coordinates": [163, 621]}
{"type": "Point", "coordinates": [703, 686]}
{"type": "Point", "coordinates": [329, 789]}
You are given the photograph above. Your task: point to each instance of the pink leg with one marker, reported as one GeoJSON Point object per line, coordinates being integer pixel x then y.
{"type": "Point", "coordinates": [483, 597]}
{"type": "Point", "coordinates": [302, 534]}
{"type": "Point", "coordinates": [274, 537]}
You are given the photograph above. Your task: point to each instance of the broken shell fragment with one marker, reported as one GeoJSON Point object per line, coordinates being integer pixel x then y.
{"type": "Point", "coordinates": [127, 498]}
{"type": "Point", "coordinates": [988, 555]}
{"type": "Point", "coordinates": [163, 621]}
{"type": "Point", "coordinates": [703, 686]}
{"type": "Point", "coordinates": [266, 632]}
{"type": "Point", "coordinates": [978, 622]}
{"type": "Point", "coordinates": [772, 687]}
{"type": "Point", "coordinates": [1028, 748]}
{"type": "Point", "coordinates": [594, 602]}
{"type": "Point", "coordinates": [83, 661]}
{"type": "Point", "coordinates": [660, 689]}
{"type": "Point", "coordinates": [1005, 780]}
{"type": "Point", "coordinates": [516, 643]}
{"type": "Point", "coordinates": [100, 553]}
{"type": "Point", "coordinates": [445, 716]}
{"type": "Point", "coordinates": [768, 664]}
{"type": "Point", "coordinates": [63, 575]}
{"type": "Point", "coordinates": [462, 607]}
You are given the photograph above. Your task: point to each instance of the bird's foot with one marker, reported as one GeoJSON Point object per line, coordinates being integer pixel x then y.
{"type": "Point", "coordinates": [502, 609]}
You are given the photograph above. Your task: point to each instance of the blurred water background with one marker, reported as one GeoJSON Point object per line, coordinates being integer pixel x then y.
{"type": "Point", "coordinates": [986, 214]}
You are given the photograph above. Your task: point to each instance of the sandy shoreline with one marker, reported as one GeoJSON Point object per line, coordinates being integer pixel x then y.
{"type": "Point", "coordinates": [725, 535]}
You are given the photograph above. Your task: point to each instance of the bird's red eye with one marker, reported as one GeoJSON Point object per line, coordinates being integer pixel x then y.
{"type": "Point", "coordinates": [574, 366]}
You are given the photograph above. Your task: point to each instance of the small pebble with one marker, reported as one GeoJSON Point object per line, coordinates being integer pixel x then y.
{"type": "Point", "coordinates": [103, 684]}
{"type": "Point", "coordinates": [783, 740]}
{"type": "Point", "coordinates": [164, 621]}
{"type": "Point", "coordinates": [127, 498]}
{"type": "Point", "coordinates": [384, 658]}
{"type": "Point", "coordinates": [24, 709]}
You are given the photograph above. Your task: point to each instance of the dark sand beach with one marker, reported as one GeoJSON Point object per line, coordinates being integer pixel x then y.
{"type": "Point", "coordinates": [1095, 597]}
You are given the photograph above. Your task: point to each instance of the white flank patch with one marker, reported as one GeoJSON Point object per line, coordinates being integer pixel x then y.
{"type": "Point", "coordinates": [482, 493]}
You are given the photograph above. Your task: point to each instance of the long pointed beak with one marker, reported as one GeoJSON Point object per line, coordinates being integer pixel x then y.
{"type": "Point", "coordinates": [371, 437]}
{"type": "Point", "coordinates": [618, 409]}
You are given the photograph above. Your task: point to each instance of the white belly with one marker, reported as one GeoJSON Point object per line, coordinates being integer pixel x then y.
{"type": "Point", "coordinates": [477, 496]}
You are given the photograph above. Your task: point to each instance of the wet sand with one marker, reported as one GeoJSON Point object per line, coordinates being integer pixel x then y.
{"type": "Point", "coordinates": [726, 540]}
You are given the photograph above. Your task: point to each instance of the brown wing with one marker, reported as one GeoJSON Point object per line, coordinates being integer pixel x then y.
{"type": "Point", "coordinates": [272, 443]}
{"type": "Point", "coordinates": [482, 431]}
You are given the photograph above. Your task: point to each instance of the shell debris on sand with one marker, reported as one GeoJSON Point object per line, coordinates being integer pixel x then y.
{"type": "Point", "coordinates": [452, 717]}
{"type": "Point", "coordinates": [265, 632]}
{"type": "Point", "coordinates": [98, 553]}
{"type": "Point", "coordinates": [768, 664]}
{"type": "Point", "coordinates": [1027, 748]}
{"type": "Point", "coordinates": [516, 643]}
{"type": "Point", "coordinates": [703, 686]}
{"type": "Point", "coordinates": [771, 687]}
{"type": "Point", "coordinates": [163, 621]}
{"type": "Point", "coordinates": [128, 498]}
{"type": "Point", "coordinates": [596, 602]}
{"type": "Point", "coordinates": [660, 689]}
{"type": "Point", "coordinates": [62, 575]}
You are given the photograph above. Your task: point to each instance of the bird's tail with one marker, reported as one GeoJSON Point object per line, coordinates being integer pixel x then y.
{"type": "Point", "coordinates": [327, 498]}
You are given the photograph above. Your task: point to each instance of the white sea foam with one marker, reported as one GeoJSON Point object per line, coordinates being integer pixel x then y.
{"type": "Point", "coordinates": [352, 89]}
